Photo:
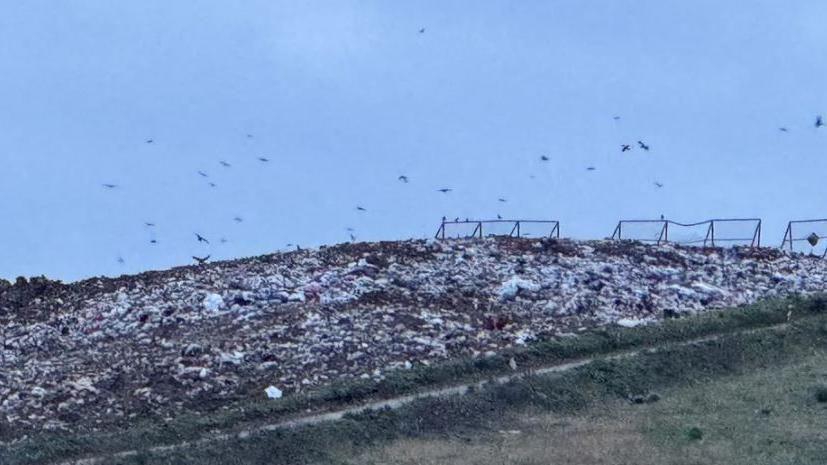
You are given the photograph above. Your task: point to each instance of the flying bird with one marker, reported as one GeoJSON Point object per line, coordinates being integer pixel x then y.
{"type": "Point", "coordinates": [201, 260]}
{"type": "Point", "coordinates": [153, 241]}
{"type": "Point", "coordinates": [360, 208]}
{"type": "Point", "coordinates": [120, 260]}
{"type": "Point", "coordinates": [403, 178]}
{"type": "Point", "coordinates": [501, 200]}
{"type": "Point", "coordinates": [149, 225]}
{"type": "Point", "coordinates": [110, 186]}
{"type": "Point", "coordinates": [149, 141]}
{"type": "Point", "coordinates": [203, 174]}
{"type": "Point", "coordinates": [444, 190]}
{"type": "Point", "coordinates": [422, 30]}
{"type": "Point", "coordinates": [615, 117]}
{"type": "Point", "coordinates": [201, 238]}
{"type": "Point", "coordinates": [224, 164]}
{"type": "Point", "coordinates": [819, 123]}
{"type": "Point", "coordinates": [625, 148]}
{"type": "Point", "coordinates": [658, 185]}
{"type": "Point", "coordinates": [249, 136]}
{"type": "Point", "coordinates": [212, 184]}
{"type": "Point", "coordinates": [263, 159]}
{"type": "Point", "coordinates": [349, 229]}
{"type": "Point", "coordinates": [782, 129]}
{"type": "Point", "coordinates": [591, 168]}
{"type": "Point", "coordinates": [223, 240]}
{"type": "Point", "coordinates": [238, 219]}
{"type": "Point", "coordinates": [544, 158]}
{"type": "Point", "coordinates": [642, 145]}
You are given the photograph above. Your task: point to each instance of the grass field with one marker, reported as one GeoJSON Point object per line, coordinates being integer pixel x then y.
{"type": "Point", "coordinates": [767, 416]}
{"type": "Point", "coordinates": [709, 395]}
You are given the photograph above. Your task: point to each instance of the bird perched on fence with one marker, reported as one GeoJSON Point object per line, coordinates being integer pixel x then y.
{"type": "Point", "coordinates": [201, 238]}
{"type": "Point", "coordinates": [403, 178]}
{"type": "Point", "coordinates": [642, 145]}
{"type": "Point", "coordinates": [625, 148]}
{"type": "Point", "coordinates": [201, 260]}
{"type": "Point", "coordinates": [813, 239]}
{"type": "Point", "coordinates": [499, 217]}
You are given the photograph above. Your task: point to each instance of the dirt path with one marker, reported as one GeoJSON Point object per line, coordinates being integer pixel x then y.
{"type": "Point", "coordinates": [397, 402]}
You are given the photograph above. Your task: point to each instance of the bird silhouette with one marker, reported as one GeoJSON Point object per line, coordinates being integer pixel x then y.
{"type": "Point", "coordinates": [782, 129]}
{"type": "Point", "coordinates": [658, 185]}
{"type": "Point", "coordinates": [149, 225]}
{"type": "Point", "coordinates": [544, 158]}
{"type": "Point", "coordinates": [444, 190]}
{"type": "Point", "coordinates": [203, 174]}
{"type": "Point", "coordinates": [403, 178]}
{"type": "Point", "coordinates": [263, 159]}
{"type": "Point", "coordinates": [499, 217]}
{"type": "Point", "coordinates": [109, 186]}
{"type": "Point", "coordinates": [149, 141]}
{"type": "Point", "coordinates": [456, 220]}
{"type": "Point", "coordinates": [201, 260]}
{"type": "Point", "coordinates": [501, 200]}
{"type": "Point", "coordinates": [223, 240]}
{"type": "Point", "coordinates": [249, 136]}
{"type": "Point", "coordinates": [238, 219]}
{"type": "Point", "coordinates": [360, 208]}
{"type": "Point", "coordinates": [642, 145]}
{"type": "Point", "coordinates": [201, 238]}
{"type": "Point", "coordinates": [352, 238]}
{"type": "Point", "coordinates": [615, 117]}
{"type": "Point", "coordinates": [120, 260]}
{"type": "Point", "coordinates": [819, 123]}
{"type": "Point", "coordinates": [422, 30]}
{"type": "Point", "coordinates": [153, 241]}
{"type": "Point", "coordinates": [349, 229]}
{"type": "Point", "coordinates": [662, 217]}
{"type": "Point", "coordinates": [625, 147]}
{"type": "Point", "coordinates": [590, 168]}
{"type": "Point", "coordinates": [224, 164]}
{"type": "Point", "coordinates": [212, 184]}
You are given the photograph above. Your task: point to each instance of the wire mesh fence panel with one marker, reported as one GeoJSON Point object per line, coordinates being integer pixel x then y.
{"type": "Point", "coordinates": [456, 230]}
{"type": "Point", "coordinates": [727, 233]}
{"type": "Point", "coordinates": [643, 230]}
{"type": "Point", "coordinates": [695, 234]}
{"type": "Point", "coordinates": [806, 236]}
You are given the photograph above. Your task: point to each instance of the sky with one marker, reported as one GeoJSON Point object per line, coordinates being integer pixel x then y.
{"type": "Point", "coordinates": [343, 97]}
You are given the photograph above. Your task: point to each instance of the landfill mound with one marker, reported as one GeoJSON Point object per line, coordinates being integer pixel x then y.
{"type": "Point", "coordinates": [199, 338]}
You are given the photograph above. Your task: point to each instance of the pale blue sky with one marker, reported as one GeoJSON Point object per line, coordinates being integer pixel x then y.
{"type": "Point", "coordinates": [343, 97]}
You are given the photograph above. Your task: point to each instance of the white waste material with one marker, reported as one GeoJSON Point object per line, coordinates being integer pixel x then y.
{"type": "Point", "coordinates": [273, 392]}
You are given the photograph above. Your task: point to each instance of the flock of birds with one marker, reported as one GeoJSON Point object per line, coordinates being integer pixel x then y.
{"type": "Point", "coordinates": [625, 147]}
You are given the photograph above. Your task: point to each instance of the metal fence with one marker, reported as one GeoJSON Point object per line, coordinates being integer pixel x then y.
{"type": "Point", "coordinates": [710, 238]}
{"type": "Point", "coordinates": [480, 226]}
{"type": "Point", "coordinates": [813, 237]}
